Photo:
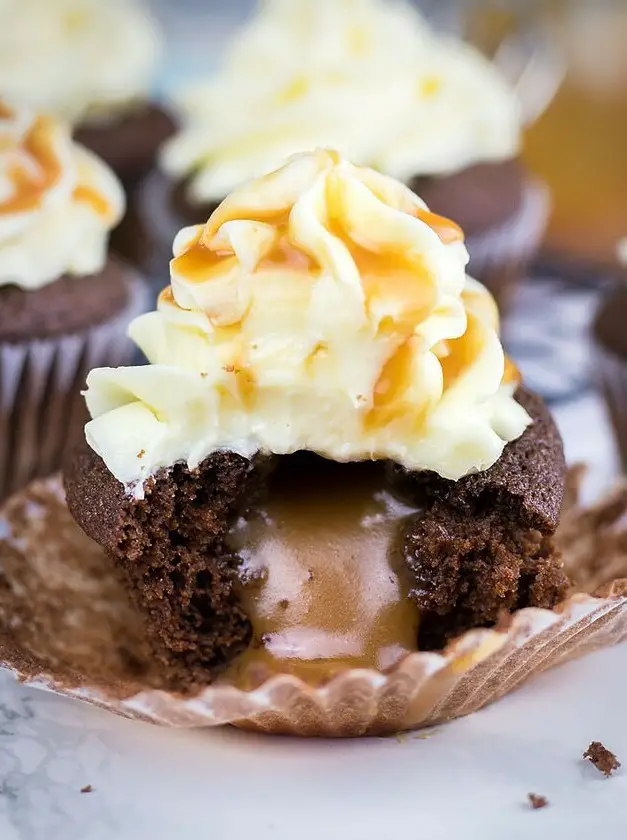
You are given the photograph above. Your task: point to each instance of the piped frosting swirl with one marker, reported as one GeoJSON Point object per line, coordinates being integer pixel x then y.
{"type": "Point", "coordinates": [368, 77]}
{"type": "Point", "coordinates": [58, 202]}
{"type": "Point", "coordinates": [321, 307]}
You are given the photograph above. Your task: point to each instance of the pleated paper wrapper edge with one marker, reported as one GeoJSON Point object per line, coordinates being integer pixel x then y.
{"type": "Point", "coordinates": [424, 689]}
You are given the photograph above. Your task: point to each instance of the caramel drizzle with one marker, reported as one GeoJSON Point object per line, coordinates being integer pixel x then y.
{"type": "Point", "coordinates": [88, 195]}
{"type": "Point", "coordinates": [31, 183]}
{"type": "Point", "coordinates": [6, 113]}
{"type": "Point", "coordinates": [200, 263]}
{"type": "Point", "coordinates": [32, 180]}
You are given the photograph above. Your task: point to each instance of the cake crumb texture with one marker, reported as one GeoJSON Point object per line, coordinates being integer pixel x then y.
{"type": "Point", "coordinates": [604, 760]}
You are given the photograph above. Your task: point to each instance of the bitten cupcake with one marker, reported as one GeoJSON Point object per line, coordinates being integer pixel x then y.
{"type": "Point", "coordinates": [328, 462]}
{"type": "Point", "coordinates": [371, 79]}
{"type": "Point", "coordinates": [64, 304]}
{"type": "Point", "coordinates": [91, 64]}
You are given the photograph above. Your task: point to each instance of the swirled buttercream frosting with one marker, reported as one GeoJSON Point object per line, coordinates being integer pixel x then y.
{"type": "Point", "coordinates": [322, 307]}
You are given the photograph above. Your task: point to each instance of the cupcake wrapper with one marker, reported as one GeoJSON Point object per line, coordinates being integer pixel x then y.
{"type": "Point", "coordinates": [68, 627]}
{"type": "Point", "coordinates": [500, 256]}
{"type": "Point", "coordinates": [611, 372]}
{"type": "Point", "coordinates": [41, 408]}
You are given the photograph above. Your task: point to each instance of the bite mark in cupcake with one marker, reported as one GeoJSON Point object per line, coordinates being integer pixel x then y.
{"type": "Point", "coordinates": [327, 412]}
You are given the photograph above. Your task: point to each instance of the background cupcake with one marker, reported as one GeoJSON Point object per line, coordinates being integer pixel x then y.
{"type": "Point", "coordinates": [373, 80]}
{"type": "Point", "coordinates": [64, 303]}
{"type": "Point", "coordinates": [91, 64]}
{"type": "Point", "coordinates": [610, 351]}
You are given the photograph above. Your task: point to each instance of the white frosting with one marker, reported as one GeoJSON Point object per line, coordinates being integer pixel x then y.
{"type": "Point", "coordinates": [58, 202]}
{"type": "Point", "coordinates": [322, 308]}
{"type": "Point", "coordinates": [76, 59]}
{"type": "Point", "coordinates": [367, 77]}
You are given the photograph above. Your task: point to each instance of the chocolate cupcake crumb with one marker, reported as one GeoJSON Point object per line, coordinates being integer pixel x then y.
{"type": "Point", "coordinates": [537, 801]}
{"type": "Point", "coordinates": [603, 759]}
{"type": "Point", "coordinates": [479, 546]}
{"type": "Point", "coordinates": [87, 789]}
{"type": "Point", "coordinates": [485, 546]}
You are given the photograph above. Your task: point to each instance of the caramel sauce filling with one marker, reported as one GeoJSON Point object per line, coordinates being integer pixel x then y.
{"type": "Point", "coordinates": [323, 578]}
{"type": "Point", "coordinates": [32, 182]}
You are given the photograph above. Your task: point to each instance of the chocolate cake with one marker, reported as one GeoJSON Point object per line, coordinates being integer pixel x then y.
{"type": "Point", "coordinates": [129, 143]}
{"type": "Point", "coordinates": [69, 304]}
{"type": "Point", "coordinates": [479, 197]}
{"type": "Point", "coordinates": [477, 548]}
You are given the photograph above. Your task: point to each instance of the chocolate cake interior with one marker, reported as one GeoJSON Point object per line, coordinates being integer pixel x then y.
{"type": "Point", "coordinates": [351, 563]}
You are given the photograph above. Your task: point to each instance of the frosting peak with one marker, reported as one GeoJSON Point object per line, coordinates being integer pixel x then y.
{"type": "Point", "coordinates": [367, 76]}
{"type": "Point", "coordinates": [321, 307]}
{"type": "Point", "coordinates": [76, 59]}
{"type": "Point", "coordinates": [58, 202]}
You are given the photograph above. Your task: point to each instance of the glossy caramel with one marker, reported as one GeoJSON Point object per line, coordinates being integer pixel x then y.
{"type": "Point", "coordinates": [323, 579]}
{"type": "Point", "coordinates": [35, 170]}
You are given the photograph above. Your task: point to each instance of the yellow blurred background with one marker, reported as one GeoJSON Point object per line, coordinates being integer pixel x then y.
{"type": "Point", "coordinates": [578, 144]}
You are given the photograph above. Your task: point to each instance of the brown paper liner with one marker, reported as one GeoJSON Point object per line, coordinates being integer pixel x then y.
{"type": "Point", "coordinates": [42, 412]}
{"type": "Point", "coordinates": [66, 625]}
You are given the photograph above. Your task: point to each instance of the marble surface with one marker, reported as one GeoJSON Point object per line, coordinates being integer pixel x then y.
{"type": "Point", "coordinates": [468, 780]}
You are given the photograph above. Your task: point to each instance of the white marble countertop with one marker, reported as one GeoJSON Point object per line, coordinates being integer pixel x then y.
{"type": "Point", "coordinates": [468, 781]}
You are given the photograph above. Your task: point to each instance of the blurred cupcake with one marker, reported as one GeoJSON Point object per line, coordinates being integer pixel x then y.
{"type": "Point", "coordinates": [328, 462]}
{"type": "Point", "coordinates": [64, 304]}
{"type": "Point", "coordinates": [373, 80]}
{"type": "Point", "coordinates": [610, 348]}
{"type": "Point", "coordinates": [91, 64]}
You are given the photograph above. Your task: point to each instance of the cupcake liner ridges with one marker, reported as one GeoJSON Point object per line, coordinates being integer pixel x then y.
{"type": "Point", "coordinates": [42, 411]}
{"type": "Point", "coordinates": [68, 627]}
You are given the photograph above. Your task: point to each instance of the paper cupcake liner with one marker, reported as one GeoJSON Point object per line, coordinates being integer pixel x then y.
{"type": "Point", "coordinates": [611, 375]}
{"type": "Point", "coordinates": [68, 627]}
{"type": "Point", "coordinates": [500, 257]}
{"type": "Point", "coordinates": [41, 409]}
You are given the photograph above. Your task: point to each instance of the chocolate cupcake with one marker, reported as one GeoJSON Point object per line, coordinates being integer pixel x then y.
{"type": "Point", "coordinates": [91, 64]}
{"type": "Point", "coordinates": [328, 462]}
{"type": "Point", "coordinates": [610, 351]}
{"type": "Point", "coordinates": [371, 79]}
{"type": "Point", "coordinates": [65, 303]}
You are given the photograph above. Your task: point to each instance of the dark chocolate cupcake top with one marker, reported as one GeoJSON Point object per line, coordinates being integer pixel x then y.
{"type": "Point", "coordinates": [58, 202]}
{"type": "Point", "coordinates": [322, 307]}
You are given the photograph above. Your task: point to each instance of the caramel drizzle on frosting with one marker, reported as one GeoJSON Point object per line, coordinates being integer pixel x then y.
{"type": "Point", "coordinates": [386, 274]}
{"type": "Point", "coordinates": [34, 168]}
{"type": "Point", "coordinates": [39, 173]}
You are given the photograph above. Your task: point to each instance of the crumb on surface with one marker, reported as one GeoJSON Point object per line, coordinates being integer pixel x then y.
{"type": "Point", "coordinates": [536, 801]}
{"type": "Point", "coordinates": [284, 603]}
{"type": "Point", "coordinates": [87, 789]}
{"type": "Point", "coordinates": [603, 759]}
{"type": "Point", "coordinates": [141, 453]}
